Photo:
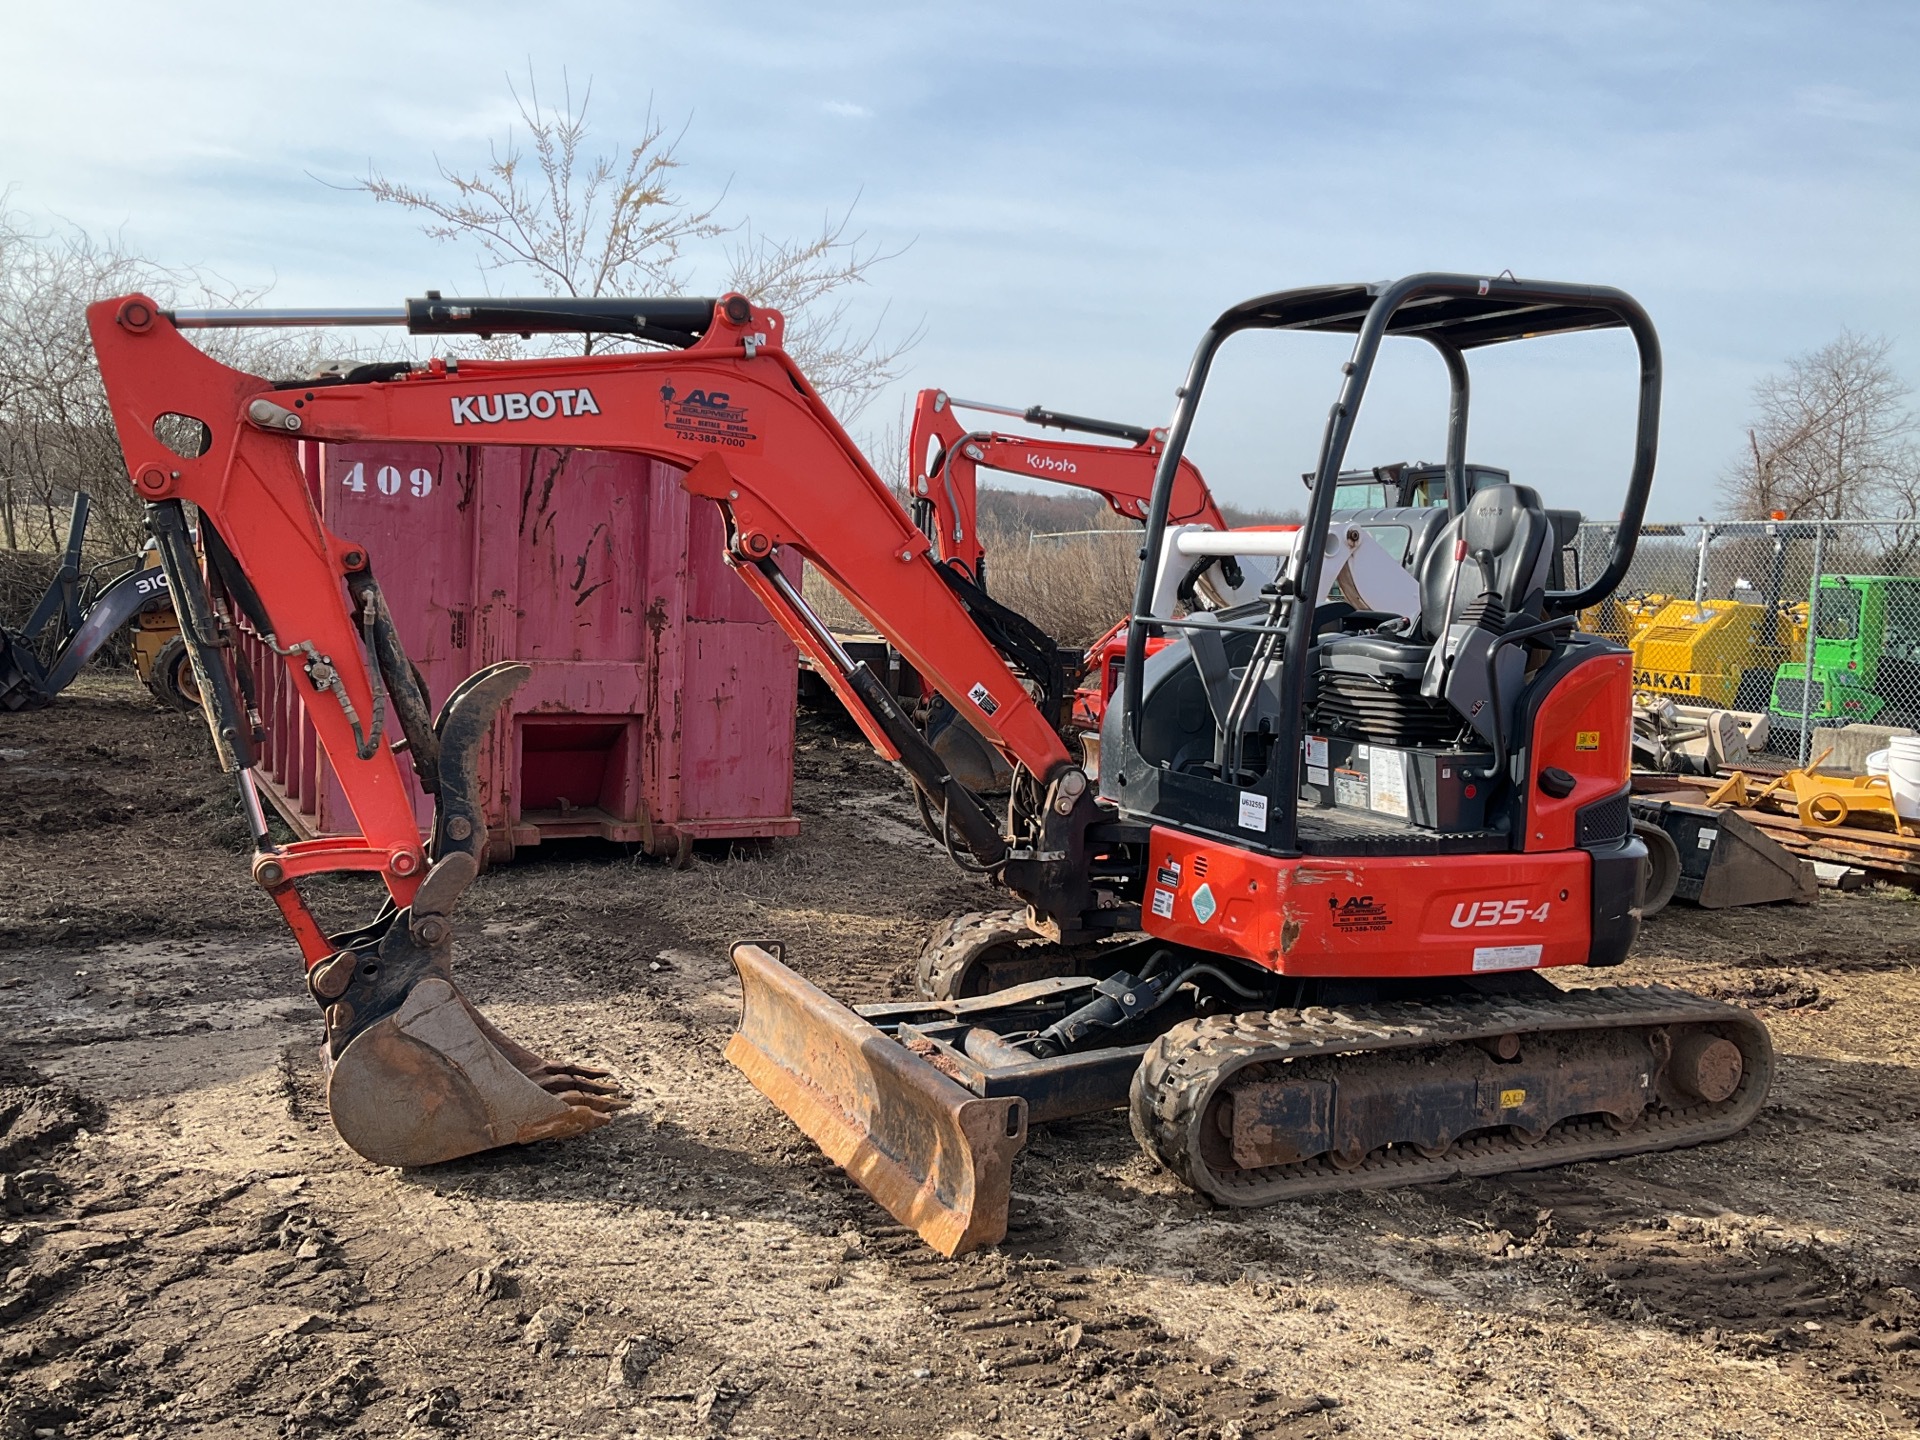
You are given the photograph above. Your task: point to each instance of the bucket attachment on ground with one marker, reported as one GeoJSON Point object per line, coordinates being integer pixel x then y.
{"type": "Point", "coordinates": [1725, 859]}
{"type": "Point", "coordinates": [434, 1081]}
{"type": "Point", "coordinates": [937, 1157]}
{"type": "Point", "coordinates": [415, 1074]}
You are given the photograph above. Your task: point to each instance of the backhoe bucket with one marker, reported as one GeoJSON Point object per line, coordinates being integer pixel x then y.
{"type": "Point", "coordinates": [434, 1081]}
{"type": "Point", "coordinates": [936, 1156]}
{"type": "Point", "coordinates": [1727, 860]}
{"type": "Point", "coordinates": [427, 1078]}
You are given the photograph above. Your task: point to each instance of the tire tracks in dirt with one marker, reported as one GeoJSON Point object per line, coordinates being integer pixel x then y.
{"type": "Point", "coordinates": [1019, 1316]}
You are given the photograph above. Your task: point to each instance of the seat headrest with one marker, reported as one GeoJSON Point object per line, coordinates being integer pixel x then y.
{"type": "Point", "coordinates": [1494, 516]}
{"type": "Point", "coordinates": [1510, 525]}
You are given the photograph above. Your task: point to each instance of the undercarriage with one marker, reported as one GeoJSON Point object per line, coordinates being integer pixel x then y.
{"type": "Point", "coordinates": [1327, 1086]}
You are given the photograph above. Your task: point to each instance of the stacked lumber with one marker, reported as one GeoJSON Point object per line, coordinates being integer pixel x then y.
{"type": "Point", "coordinates": [1884, 854]}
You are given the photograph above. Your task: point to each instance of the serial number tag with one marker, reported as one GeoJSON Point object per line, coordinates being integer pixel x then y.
{"type": "Point", "coordinates": [1506, 957]}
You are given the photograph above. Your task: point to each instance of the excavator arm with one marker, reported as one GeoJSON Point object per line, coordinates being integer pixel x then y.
{"type": "Point", "coordinates": [947, 458]}
{"type": "Point", "coordinates": [729, 409]}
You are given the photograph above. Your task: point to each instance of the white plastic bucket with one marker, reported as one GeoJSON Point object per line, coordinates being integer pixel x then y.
{"type": "Point", "coordinates": [1877, 763]}
{"type": "Point", "coordinates": [1903, 774]}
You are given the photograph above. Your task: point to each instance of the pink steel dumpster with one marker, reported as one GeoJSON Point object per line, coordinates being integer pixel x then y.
{"type": "Point", "coordinates": [661, 705]}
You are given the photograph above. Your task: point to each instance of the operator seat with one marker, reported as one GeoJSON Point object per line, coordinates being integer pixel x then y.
{"type": "Point", "coordinates": [1490, 564]}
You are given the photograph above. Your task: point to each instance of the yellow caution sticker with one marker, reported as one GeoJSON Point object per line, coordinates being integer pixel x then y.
{"type": "Point", "coordinates": [1512, 1099]}
{"type": "Point", "coordinates": [1586, 740]}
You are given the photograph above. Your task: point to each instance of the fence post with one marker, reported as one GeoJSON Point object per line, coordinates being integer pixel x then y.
{"type": "Point", "coordinates": [1813, 630]}
{"type": "Point", "coordinates": [1700, 570]}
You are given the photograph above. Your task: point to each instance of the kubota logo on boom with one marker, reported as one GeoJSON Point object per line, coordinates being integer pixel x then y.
{"type": "Point", "coordinates": [1049, 463]}
{"type": "Point", "coordinates": [516, 405]}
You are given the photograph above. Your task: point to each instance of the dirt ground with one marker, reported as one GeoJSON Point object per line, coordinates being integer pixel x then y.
{"type": "Point", "coordinates": [186, 1249]}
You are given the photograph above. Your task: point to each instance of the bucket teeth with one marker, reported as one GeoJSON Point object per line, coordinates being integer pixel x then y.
{"type": "Point", "coordinates": [576, 1084]}
{"type": "Point", "coordinates": [434, 1081]}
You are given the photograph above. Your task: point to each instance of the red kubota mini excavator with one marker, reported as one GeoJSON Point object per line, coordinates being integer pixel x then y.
{"type": "Point", "coordinates": [1298, 928]}
{"type": "Point", "coordinates": [946, 459]}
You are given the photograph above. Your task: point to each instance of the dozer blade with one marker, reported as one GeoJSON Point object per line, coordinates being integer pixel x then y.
{"type": "Point", "coordinates": [434, 1081]}
{"type": "Point", "coordinates": [936, 1156]}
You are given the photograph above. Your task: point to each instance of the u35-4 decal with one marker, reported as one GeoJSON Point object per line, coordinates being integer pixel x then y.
{"type": "Point", "coordinates": [1486, 914]}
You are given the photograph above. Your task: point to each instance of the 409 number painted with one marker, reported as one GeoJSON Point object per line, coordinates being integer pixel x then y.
{"type": "Point", "coordinates": [389, 481]}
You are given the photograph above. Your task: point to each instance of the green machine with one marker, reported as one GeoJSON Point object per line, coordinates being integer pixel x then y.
{"type": "Point", "coordinates": [1864, 659]}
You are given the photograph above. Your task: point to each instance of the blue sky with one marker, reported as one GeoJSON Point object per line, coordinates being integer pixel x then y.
{"type": "Point", "coordinates": [1081, 187]}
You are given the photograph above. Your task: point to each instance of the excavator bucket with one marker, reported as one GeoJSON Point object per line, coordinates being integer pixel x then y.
{"type": "Point", "coordinates": [434, 1081]}
{"type": "Point", "coordinates": [1726, 859]}
{"type": "Point", "coordinates": [936, 1156]}
{"type": "Point", "coordinates": [416, 1075]}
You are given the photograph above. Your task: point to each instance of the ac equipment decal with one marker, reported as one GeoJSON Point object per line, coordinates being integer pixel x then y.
{"type": "Point", "coordinates": [709, 417]}
{"type": "Point", "coordinates": [1359, 914]}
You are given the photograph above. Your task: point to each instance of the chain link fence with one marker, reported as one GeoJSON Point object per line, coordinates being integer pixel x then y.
{"type": "Point", "coordinates": [1814, 624]}
{"type": "Point", "coordinates": [1719, 614]}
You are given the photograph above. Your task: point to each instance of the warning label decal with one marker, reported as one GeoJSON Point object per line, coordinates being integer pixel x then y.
{"type": "Point", "coordinates": [1505, 957]}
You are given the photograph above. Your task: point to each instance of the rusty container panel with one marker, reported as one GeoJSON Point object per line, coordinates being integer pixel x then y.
{"type": "Point", "coordinates": [661, 705]}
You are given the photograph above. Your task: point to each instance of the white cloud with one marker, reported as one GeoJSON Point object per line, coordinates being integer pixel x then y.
{"type": "Point", "coordinates": [1842, 102]}
{"type": "Point", "coordinates": [1108, 179]}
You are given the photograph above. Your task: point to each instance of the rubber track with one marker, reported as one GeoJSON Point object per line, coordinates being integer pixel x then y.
{"type": "Point", "coordinates": [954, 944]}
{"type": "Point", "coordinates": [1184, 1067]}
{"type": "Point", "coordinates": [958, 939]}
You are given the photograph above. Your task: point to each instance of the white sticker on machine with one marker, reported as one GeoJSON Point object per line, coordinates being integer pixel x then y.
{"type": "Point", "coordinates": [1253, 811]}
{"type": "Point", "coordinates": [1317, 750]}
{"type": "Point", "coordinates": [1707, 837]}
{"type": "Point", "coordinates": [1506, 957]}
{"type": "Point", "coordinates": [1163, 904]}
{"type": "Point", "coordinates": [983, 697]}
{"type": "Point", "coordinates": [1387, 782]}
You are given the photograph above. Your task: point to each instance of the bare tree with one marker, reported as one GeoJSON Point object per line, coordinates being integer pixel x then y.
{"type": "Point", "coordinates": [56, 430]}
{"type": "Point", "coordinates": [1832, 438]}
{"type": "Point", "coordinates": [582, 221]}
{"type": "Point", "coordinates": [56, 434]}
{"type": "Point", "coordinates": [807, 281]}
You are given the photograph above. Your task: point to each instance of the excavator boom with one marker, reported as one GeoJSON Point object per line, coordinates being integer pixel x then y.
{"type": "Point", "coordinates": [947, 458]}
{"type": "Point", "coordinates": [417, 1075]}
